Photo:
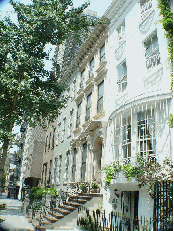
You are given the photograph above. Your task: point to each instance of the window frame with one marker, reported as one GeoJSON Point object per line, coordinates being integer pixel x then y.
{"type": "Point", "coordinates": [88, 107]}
{"type": "Point", "coordinates": [100, 98]}
{"type": "Point", "coordinates": [83, 170]}
{"type": "Point", "coordinates": [82, 78]}
{"type": "Point", "coordinates": [153, 57]}
{"type": "Point", "coordinates": [121, 32]}
{"type": "Point", "coordinates": [102, 54]}
{"type": "Point", "coordinates": [122, 80]}
{"type": "Point", "coordinates": [78, 115]}
{"type": "Point", "coordinates": [91, 67]}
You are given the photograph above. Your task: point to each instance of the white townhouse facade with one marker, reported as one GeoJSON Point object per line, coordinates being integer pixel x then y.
{"type": "Point", "coordinates": [120, 104]}
{"type": "Point", "coordinates": [138, 97]}
{"type": "Point", "coordinates": [79, 138]}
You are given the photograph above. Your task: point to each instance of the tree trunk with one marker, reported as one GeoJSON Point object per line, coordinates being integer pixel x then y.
{"type": "Point", "coordinates": [4, 155]}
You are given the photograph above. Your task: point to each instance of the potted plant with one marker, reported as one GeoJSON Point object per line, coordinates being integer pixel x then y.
{"type": "Point", "coordinates": [94, 187]}
{"type": "Point", "coordinates": [83, 187]}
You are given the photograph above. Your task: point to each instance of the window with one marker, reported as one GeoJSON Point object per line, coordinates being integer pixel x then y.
{"type": "Point", "coordinates": [55, 170]}
{"type": "Point", "coordinates": [152, 52]}
{"type": "Point", "coordinates": [82, 78]}
{"type": "Point", "coordinates": [64, 126]}
{"type": "Point", "coordinates": [46, 144]}
{"type": "Point", "coordinates": [67, 165]}
{"type": "Point", "coordinates": [122, 76]}
{"type": "Point", "coordinates": [74, 165]}
{"type": "Point", "coordinates": [91, 67]}
{"type": "Point", "coordinates": [78, 115]}
{"type": "Point", "coordinates": [102, 54]}
{"type": "Point", "coordinates": [74, 88]}
{"type": "Point", "coordinates": [58, 133]}
{"type": "Point", "coordinates": [59, 166]}
{"type": "Point", "coordinates": [84, 156]}
{"type": "Point", "coordinates": [126, 137]}
{"type": "Point", "coordinates": [145, 5]}
{"type": "Point", "coordinates": [121, 32]}
{"type": "Point", "coordinates": [100, 97]}
{"type": "Point", "coordinates": [88, 107]}
{"type": "Point", "coordinates": [53, 138]}
{"type": "Point", "coordinates": [49, 141]}
{"type": "Point", "coordinates": [146, 132]}
{"type": "Point", "coordinates": [70, 123]}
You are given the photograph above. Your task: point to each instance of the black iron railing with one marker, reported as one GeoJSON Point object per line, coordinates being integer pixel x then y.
{"type": "Point", "coordinates": [98, 221]}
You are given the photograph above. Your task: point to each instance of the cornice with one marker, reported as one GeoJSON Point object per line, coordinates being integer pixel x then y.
{"type": "Point", "coordinates": [141, 99]}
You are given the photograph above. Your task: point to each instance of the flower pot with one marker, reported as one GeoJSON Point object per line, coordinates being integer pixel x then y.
{"type": "Point", "coordinates": [84, 190]}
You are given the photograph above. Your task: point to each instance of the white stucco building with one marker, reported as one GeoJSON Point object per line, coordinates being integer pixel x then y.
{"type": "Point", "coordinates": [120, 104]}
{"type": "Point", "coordinates": [120, 101]}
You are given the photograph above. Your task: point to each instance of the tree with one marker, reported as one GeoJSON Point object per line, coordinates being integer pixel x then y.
{"type": "Point", "coordinates": [28, 92]}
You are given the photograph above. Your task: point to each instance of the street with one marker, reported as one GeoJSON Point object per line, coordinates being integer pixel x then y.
{"type": "Point", "coordinates": [13, 215]}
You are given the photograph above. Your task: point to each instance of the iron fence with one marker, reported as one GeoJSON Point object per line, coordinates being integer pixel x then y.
{"type": "Point", "coordinates": [99, 221]}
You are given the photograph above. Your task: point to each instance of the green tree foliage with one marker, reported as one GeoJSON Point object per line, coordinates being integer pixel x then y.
{"type": "Point", "coordinates": [28, 91]}
{"type": "Point", "coordinates": [167, 22]}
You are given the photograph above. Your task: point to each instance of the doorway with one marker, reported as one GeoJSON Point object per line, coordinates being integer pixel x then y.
{"type": "Point", "coordinates": [129, 208]}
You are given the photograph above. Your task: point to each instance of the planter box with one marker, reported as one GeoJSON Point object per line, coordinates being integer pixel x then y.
{"type": "Point", "coordinates": [122, 183]}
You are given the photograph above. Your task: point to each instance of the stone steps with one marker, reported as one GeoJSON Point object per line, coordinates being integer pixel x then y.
{"type": "Point", "coordinates": [76, 200]}
{"type": "Point", "coordinates": [56, 215]}
{"type": "Point", "coordinates": [66, 208]}
{"type": "Point", "coordinates": [43, 221]}
{"type": "Point", "coordinates": [50, 218]}
{"type": "Point", "coordinates": [73, 204]}
{"type": "Point", "coordinates": [62, 211]}
{"type": "Point", "coordinates": [70, 208]}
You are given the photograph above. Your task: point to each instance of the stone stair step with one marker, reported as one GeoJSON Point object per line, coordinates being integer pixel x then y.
{"type": "Point", "coordinates": [63, 211]}
{"type": "Point", "coordinates": [73, 204]}
{"type": "Point", "coordinates": [91, 194]}
{"type": "Point", "coordinates": [50, 218]}
{"type": "Point", "coordinates": [70, 208]}
{"type": "Point", "coordinates": [56, 215]}
{"type": "Point", "coordinates": [81, 197]}
{"type": "Point", "coordinates": [43, 221]}
{"type": "Point", "coordinates": [81, 201]}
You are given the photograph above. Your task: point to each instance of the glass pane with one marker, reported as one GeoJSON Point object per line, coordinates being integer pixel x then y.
{"type": "Point", "coordinates": [92, 63]}
{"type": "Point", "coordinates": [102, 50]}
{"type": "Point", "coordinates": [89, 101]}
{"type": "Point", "coordinates": [100, 90]}
{"type": "Point", "coordinates": [100, 105]}
{"type": "Point", "coordinates": [84, 155]}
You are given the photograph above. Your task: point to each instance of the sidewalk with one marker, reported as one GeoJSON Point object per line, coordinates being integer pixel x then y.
{"type": "Point", "coordinates": [13, 215]}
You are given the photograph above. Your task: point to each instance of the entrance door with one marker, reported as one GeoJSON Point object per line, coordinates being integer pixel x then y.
{"type": "Point", "coordinates": [129, 207]}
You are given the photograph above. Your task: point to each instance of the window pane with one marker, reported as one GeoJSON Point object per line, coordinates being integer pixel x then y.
{"type": "Point", "coordinates": [89, 100]}
{"type": "Point", "coordinates": [100, 90]}
{"type": "Point", "coordinates": [102, 54]}
{"type": "Point", "coordinates": [84, 155]}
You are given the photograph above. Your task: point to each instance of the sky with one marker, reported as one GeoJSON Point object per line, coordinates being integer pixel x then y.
{"type": "Point", "coordinates": [99, 6]}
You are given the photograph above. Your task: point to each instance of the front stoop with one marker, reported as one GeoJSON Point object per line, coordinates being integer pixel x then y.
{"type": "Point", "coordinates": [66, 215]}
